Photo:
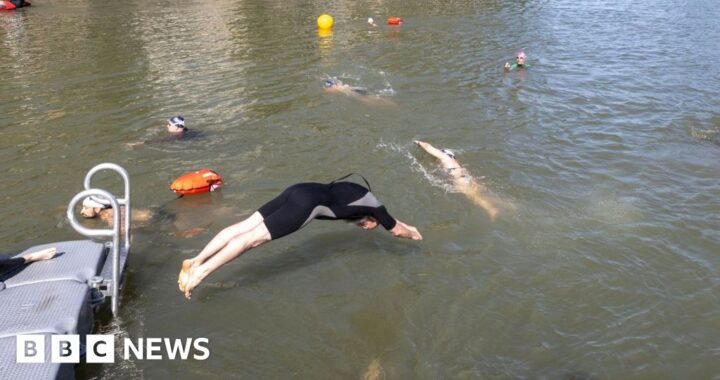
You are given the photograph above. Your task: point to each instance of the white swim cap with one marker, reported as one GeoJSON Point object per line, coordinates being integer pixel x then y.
{"type": "Point", "coordinates": [448, 152]}
{"type": "Point", "coordinates": [96, 202]}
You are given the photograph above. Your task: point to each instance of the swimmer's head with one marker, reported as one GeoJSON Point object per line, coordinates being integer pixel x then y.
{"type": "Point", "coordinates": [449, 152]}
{"type": "Point", "coordinates": [92, 206]}
{"type": "Point", "coordinates": [520, 57]}
{"type": "Point", "coordinates": [330, 82]}
{"type": "Point", "coordinates": [176, 124]}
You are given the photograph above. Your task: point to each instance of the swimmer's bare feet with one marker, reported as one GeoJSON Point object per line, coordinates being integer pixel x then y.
{"type": "Point", "coordinates": [193, 280]}
{"type": "Point", "coordinates": [45, 254]}
{"type": "Point", "coordinates": [183, 276]}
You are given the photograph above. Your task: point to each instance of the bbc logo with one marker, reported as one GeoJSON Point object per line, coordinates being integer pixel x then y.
{"type": "Point", "coordinates": [65, 348]}
{"type": "Point", "coordinates": [101, 348]}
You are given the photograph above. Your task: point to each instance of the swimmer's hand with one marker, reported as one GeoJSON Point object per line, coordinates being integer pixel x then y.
{"type": "Point", "coordinates": [406, 231]}
{"type": "Point", "coordinates": [507, 66]}
{"type": "Point", "coordinates": [422, 144]}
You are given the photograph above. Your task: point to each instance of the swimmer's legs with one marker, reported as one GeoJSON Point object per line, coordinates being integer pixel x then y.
{"type": "Point", "coordinates": [227, 234]}
{"type": "Point", "coordinates": [218, 243]}
{"type": "Point", "coordinates": [234, 248]}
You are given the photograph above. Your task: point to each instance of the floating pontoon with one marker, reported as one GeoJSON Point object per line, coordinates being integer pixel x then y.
{"type": "Point", "coordinates": [59, 296]}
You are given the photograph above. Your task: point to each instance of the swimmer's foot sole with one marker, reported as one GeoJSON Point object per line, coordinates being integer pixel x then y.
{"type": "Point", "coordinates": [193, 281]}
{"type": "Point", "coordinates": [184, 272]}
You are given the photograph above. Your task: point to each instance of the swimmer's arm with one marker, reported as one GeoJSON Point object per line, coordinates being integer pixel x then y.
{"type": "Point", "coordinates": [446, 160]}
{"type": "Point", "coordinates": [437, 153]}
{"type": "Point", "coordinates": [406, 231]}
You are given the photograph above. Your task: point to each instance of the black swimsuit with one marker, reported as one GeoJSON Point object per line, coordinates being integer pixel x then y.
{"type": "Point", "coordinates": [303, 202]}
{"type": "Point", "coordinates": [8, 265]}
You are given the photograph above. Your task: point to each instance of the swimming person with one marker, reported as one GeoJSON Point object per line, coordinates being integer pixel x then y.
{"type": "Point", "coordinates": [462, 180]}
{"type": "Point", "coordinates": [176, 125]}
{"type": "Point", "coordinates": [519, 62]}
{"type": "Point", "coordinates": [8, 264]}
{"type": "Point", "coordinates": [336, 86]}
{"type": "Point", "coordinates": [101, 208]}
{"type": "Point", "coordinates": [294, 208]}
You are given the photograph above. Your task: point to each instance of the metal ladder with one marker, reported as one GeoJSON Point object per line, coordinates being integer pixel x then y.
{"type": "Point", "coordinates": [109, 281]}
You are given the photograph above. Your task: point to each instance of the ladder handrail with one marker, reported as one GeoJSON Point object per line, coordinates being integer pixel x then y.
{"type": "Point", "coordinates": [114, 232]}
{"type": "Point", "coordinates": [125, 200]}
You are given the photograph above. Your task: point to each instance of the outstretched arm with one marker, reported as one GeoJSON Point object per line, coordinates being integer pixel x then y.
{"type": "Point", "coordinates": [406, 231]}
{"type": "Point", "coordinates": [446, 161]}
{"type": "Point", "coordinates": [437, 153]}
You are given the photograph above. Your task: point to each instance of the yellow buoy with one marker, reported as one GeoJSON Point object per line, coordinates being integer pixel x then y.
{"type": "Point", "coordinates": [325, 21]}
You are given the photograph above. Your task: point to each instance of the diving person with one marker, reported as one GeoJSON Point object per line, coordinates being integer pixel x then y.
{"type": "Point", "coordinates": [294, 208]}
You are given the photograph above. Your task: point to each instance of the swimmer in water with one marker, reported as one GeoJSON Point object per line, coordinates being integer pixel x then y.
{"type": "Point", "coordinates": [336, 86]}
{"type": "Point", "coordinates": [519, 62]}
{"type": "Point", "coordinates": [462, 180]}
{"type": "Point", "coordinates": [291, 210]}
{"type": "Point", "coordinates": [101, 208]}
{"type": "Point", "coordinates": [177, 129]}
{"type": "Point", "coordinates": [176, 125]}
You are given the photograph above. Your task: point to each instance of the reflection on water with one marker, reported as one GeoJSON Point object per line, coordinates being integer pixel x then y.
{"type": "Point", "coordinates": [607, 146]}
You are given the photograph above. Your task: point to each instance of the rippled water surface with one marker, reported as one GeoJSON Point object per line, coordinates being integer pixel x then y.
{"type": "Point", "coordinates": [604, 155]}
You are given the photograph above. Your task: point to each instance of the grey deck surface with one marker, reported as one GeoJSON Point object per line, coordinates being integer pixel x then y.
{"type": "Point", "coordinates": [48, 297]}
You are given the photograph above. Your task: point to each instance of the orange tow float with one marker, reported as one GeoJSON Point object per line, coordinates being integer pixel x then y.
{"type": "Point", "coordinates": [200, 181]}
{"type": "Point", "coordinates": [394, 21]}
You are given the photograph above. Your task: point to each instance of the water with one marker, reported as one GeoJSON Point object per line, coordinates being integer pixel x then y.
{"type": "Point", "coordinates": [605, 152]}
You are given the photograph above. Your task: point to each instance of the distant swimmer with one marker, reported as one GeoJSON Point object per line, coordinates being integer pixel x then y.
{"type": "Point", "coordinates": [294, 208]}
{"type": "Point", "coordinates": [519, 62]}
{"type": "Point", "coordinates": [336, 86]}
{"type": "Point", "coordinates": [176, 125]}
{"type": "Point", "coordinates": [462, 179]}
{"type": "Point", "coordinates": [9, 264]}
{"type": "Point", "coordinates": [177, 129]}
{"type": "Point", "coordinates": [13, 4]}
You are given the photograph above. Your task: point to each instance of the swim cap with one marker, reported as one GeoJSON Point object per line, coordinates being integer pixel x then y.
{"type": "Point", "coordinates": [520, 54]}
{"type": "Point", "coordinates": [448, 152]}
{"type": "Point", "coordinates": [177, 121]}
{"type": "Point", "coordinates": [329, 82]}
{"type": "Point", "coordinates": [96, 202]}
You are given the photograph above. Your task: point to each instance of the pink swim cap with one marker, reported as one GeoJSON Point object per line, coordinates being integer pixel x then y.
{"type": "Point", "coordinates": [520, 54]}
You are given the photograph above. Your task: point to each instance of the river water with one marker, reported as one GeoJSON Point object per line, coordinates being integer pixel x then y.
{"type": "Point", "coordinates": [603, 154]}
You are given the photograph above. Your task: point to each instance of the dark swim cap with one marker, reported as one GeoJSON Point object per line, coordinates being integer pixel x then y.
{"type": "Point", "coordinates": [329, 83]}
